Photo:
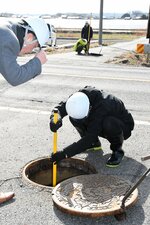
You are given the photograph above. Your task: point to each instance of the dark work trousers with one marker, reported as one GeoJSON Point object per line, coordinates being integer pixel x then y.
{"type": "Point", "coordinates": [113, 129]}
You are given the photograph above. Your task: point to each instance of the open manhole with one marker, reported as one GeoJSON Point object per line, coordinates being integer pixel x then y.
{"type": "Point", "coordinates": [39, 172]}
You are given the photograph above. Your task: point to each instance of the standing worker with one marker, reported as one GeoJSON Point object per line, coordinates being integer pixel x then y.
{"type": "Point", "coordinates": [94, 114]}
{"type": "Point", "coordinates": [18, 39]}
{"type": "Point", "coordinates": [87, 33]}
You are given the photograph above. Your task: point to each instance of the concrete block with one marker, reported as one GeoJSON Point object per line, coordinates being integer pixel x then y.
{"type": "Point", "coordinates": [147, 48]}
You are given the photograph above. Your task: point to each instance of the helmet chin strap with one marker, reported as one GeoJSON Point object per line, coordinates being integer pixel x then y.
{"type": "Point", "coordinates": [27, 28]}
{"type": "Point", "coordinates": [29, 42]}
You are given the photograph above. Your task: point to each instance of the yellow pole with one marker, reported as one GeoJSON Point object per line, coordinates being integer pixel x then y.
{"type": "Point", "coordinates": [88, 44]}
{"type": "Point", "coordinates": [55, 148]}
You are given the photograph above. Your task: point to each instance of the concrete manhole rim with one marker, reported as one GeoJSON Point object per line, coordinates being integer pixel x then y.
{"type": "Point", "coordinates": [28, 181]}
{"type": "Point", "coordinates": [92, 213]}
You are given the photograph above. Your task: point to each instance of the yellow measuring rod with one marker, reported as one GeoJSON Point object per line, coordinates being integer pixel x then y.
{"type": "Point", "coordinates": [55, 148]}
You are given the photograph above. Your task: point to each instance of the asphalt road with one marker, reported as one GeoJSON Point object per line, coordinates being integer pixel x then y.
{"type": "Point", "coordinates": [25, 135]}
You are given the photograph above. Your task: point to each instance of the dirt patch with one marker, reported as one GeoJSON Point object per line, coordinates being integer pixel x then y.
{"type": "Point", "coordinates": [51, 50]}
{"type": "Point", "coordinates": [132, 58]}
{"type": "Point", "coordinates": [67, 48]}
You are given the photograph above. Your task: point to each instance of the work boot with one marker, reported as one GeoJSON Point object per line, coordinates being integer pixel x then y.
{"type": "Point", "coordinates": [6, 196]}
{"type": "Point", "coordinates": [115, 159]}
{"type": "Point", "coordinates": [95, 146]}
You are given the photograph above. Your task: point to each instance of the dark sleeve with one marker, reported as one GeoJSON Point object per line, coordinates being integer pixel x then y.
{"type": "Point", "coordinates": [80, 146]}
{"type": "Point", "coordinates": [62, 109]}
{"type": "Point", "coordinates": [82, 33]}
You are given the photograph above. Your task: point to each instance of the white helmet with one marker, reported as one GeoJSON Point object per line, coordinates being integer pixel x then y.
{"type": "Point", "coordinates": [39, 27]}
{"type": "Point", "coordinates": [77, 106]}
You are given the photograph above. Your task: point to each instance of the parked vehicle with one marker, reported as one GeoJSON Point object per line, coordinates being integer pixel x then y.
{"type": "Point", "coordinates": [52, 37]}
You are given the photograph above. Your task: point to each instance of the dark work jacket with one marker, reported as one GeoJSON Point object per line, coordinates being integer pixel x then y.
{"type": "Point", "coordinates": [102, 105]}
{"type": "Point", "coordinates": [86, 33]}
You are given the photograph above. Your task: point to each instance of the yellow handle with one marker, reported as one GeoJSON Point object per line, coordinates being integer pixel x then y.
{"type": "Point", "coordinates": [55, 149]}
{"type": "Point", "coordinates": [88, 44]}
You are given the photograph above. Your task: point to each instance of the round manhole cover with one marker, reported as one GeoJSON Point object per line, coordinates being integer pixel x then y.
{"type": "Point", "coordinates": [92, 195]}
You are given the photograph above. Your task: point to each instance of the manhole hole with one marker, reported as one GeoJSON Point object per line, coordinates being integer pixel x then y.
{"type": "Point", "coordinates": [39, 171]}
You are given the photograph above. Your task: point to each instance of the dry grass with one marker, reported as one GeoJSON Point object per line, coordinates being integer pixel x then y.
{"type": "Point", "coordinates": [131, 58]}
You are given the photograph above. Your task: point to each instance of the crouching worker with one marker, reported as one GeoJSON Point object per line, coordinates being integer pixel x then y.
{"type": "Point", "coordinates": [94, 114]}
{"type": "Point", "coordinates": [80, 45]}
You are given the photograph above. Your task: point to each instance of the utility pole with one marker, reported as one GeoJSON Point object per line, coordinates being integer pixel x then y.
{"type": "Point", "coordinates": [100, 22]}
{"type": "Point", "coordinates": [148, 34]}
{"type": "Point", "coordinates": [148, 26]}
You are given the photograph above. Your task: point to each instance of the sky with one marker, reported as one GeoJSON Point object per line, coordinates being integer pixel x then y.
{"type": "Point", "coordinates": [76, 6]}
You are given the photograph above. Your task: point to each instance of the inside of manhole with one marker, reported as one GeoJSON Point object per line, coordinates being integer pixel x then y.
{"type": "Point", "coordinates": [40, 171]}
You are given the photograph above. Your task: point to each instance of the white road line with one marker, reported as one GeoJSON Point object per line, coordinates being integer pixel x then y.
{"type": "Point", "coordinates": [139, 122]}
{"type": "Point", "coordinates": [41, 112]}
{"type": "Point", "coordinates": [105, 68]}
{"type": "Point", "coordinates": [107, 77]}
{"type": "Point", "coordinates": [23, 110]}
{"type": "Point", "coordinates": [96, 77]}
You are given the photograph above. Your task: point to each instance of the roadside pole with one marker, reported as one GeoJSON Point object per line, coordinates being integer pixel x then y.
{"type": "Point", "coordinates": [100, 22]}
{"type": "Point", "coordinates": [148, 26]}
{"type": "Point", "coordinates": [148, 34]}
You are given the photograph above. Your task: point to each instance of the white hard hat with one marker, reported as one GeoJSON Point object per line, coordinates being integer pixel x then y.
{"type": "Point", "coordinates": [77, 106]}
{"type": "Point", "coordinates": [40, 28]}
